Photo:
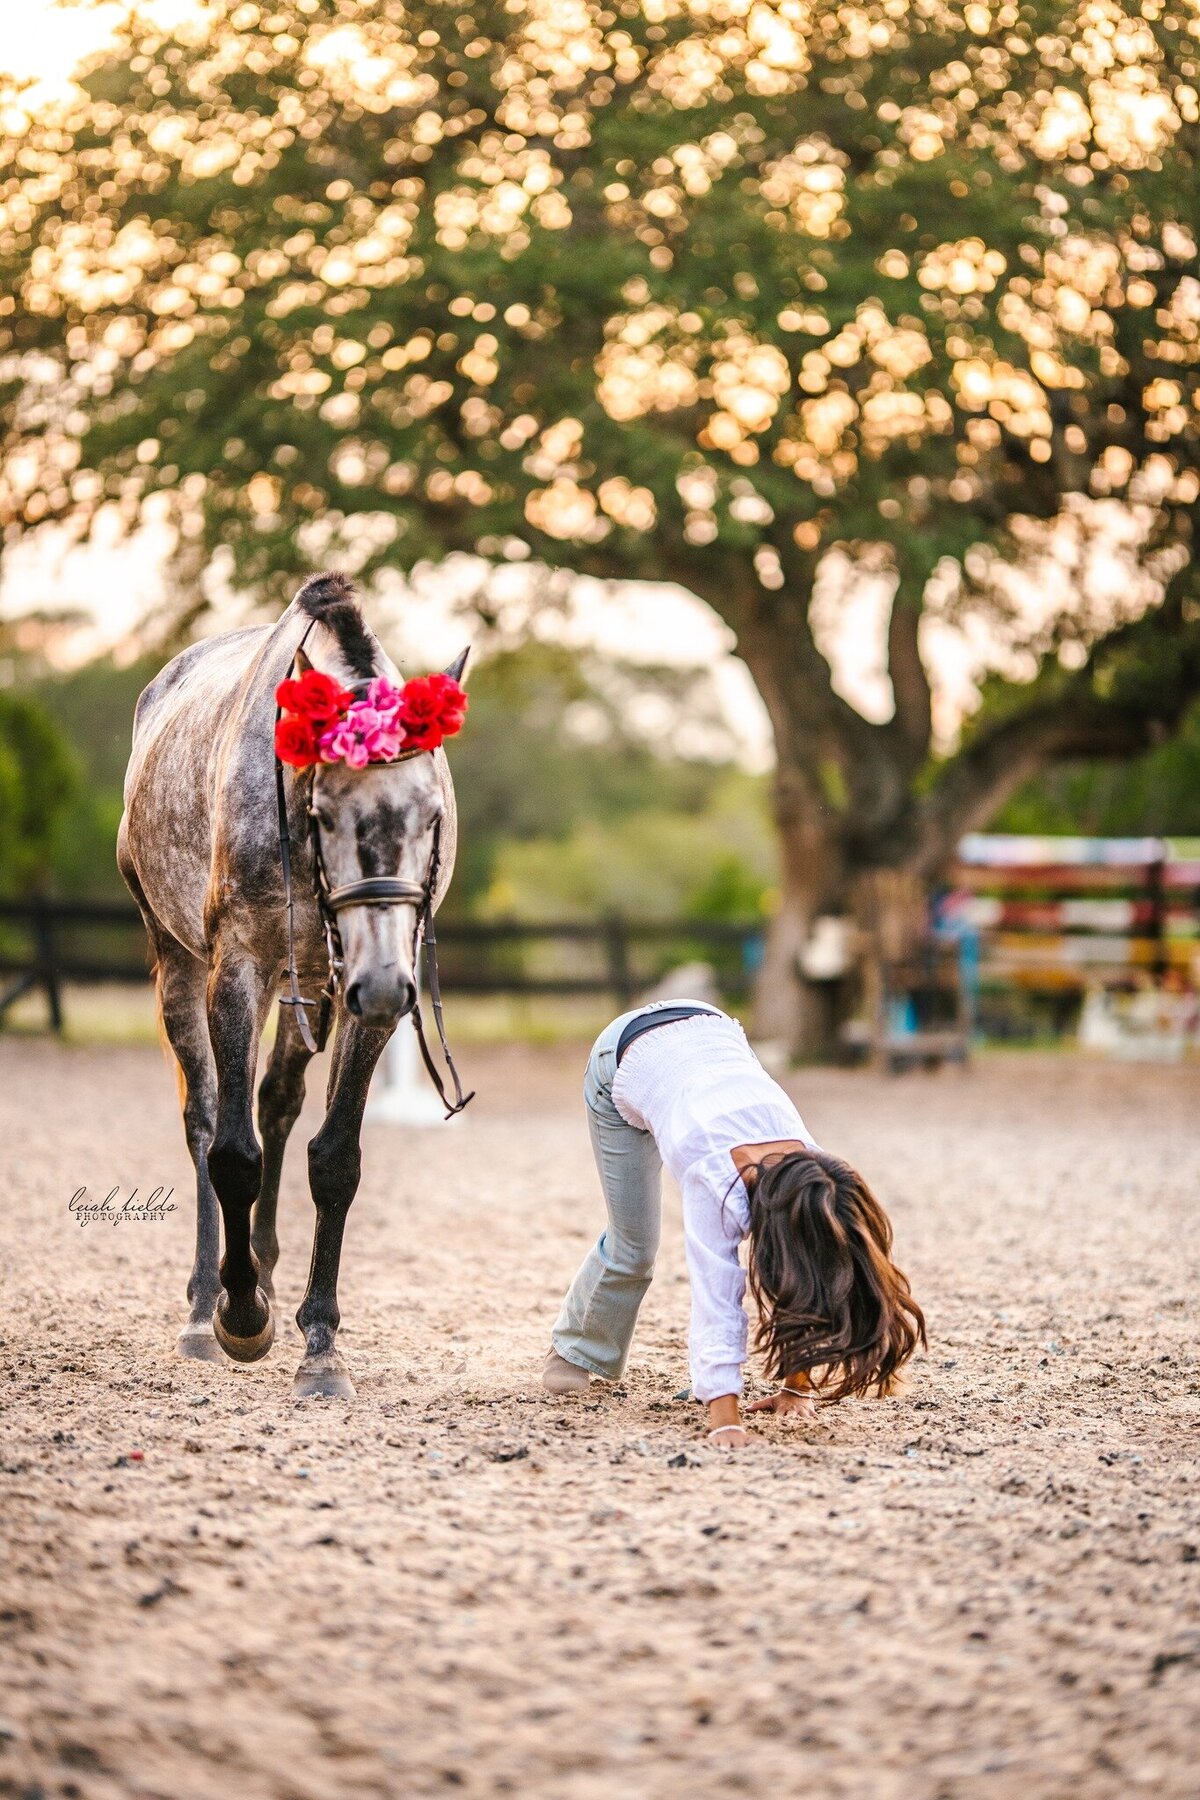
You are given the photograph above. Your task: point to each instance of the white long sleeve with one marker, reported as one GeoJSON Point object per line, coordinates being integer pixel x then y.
{"type": "Point", "coordinates": [698, 1088]}
{"type": "Point", "coordinates": [711, 1237]}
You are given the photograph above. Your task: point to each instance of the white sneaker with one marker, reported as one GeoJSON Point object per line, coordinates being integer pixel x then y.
{"type": "Point", "coordinates": [561, 1377]}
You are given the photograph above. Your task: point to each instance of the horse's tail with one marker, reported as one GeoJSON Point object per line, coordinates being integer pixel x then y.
{"type": "Point", "coordinates": [330, 598]}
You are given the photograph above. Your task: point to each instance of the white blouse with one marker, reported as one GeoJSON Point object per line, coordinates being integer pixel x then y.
{"type": "Point", "coordinates": [699, 1090]}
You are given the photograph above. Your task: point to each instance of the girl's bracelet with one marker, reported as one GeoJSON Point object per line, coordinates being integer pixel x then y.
{"type": "Point", "coordinates": [796, 1393]}
{"type": "Point", "coordinates": [718, 1429]}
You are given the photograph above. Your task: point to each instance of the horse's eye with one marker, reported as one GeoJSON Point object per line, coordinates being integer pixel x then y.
{"type": "Point", "coordinates": [324, 817]}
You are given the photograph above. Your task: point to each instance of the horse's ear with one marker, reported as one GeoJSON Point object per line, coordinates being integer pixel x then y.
{"type": "Point", "coordinates": [302, 664]}
{"type": "Point", "coordinates": [458, 667]}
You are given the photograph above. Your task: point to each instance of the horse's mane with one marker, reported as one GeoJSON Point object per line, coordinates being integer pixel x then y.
{"type": "Point", "coordinates": [330, 598]}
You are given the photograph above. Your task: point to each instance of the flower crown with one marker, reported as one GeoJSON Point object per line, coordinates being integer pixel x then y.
{"type": "Point", "coordinates": [323, 722]}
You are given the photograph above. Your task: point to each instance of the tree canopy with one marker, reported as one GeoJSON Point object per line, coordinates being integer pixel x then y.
{"type": "Point", "coordinates": [634, 281]}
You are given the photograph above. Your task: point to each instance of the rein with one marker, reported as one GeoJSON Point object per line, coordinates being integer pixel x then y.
{"type": "Point", "coordinates": [373, 890]}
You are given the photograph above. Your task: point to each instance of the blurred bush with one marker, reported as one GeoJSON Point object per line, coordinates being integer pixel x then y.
{"type": "Point", "coordinates": [1157, 794]}
{"type": "Point", "coordinates": [38, 780]}
{"type": "Point", "coordinates": [567, 809]}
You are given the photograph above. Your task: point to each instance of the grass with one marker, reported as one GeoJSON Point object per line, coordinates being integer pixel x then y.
{"type": "Point", "coordinates": [119, 1014]}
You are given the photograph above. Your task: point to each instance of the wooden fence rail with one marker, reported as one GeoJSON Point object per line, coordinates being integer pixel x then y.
{"type": "Point", "coordinates": [47, 943]}
{"type": "Point", "coordinates": [1054, 916]}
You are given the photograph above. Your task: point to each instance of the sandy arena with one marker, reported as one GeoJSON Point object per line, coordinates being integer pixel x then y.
{"type": "Point", "coordinates": [987, 1587]}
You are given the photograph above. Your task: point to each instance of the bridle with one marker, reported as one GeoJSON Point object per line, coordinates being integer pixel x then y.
{"type": "Point", "coordinates": [372, 890]}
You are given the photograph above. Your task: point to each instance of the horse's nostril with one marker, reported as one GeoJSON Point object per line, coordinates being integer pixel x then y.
{"type": "Point", "coordinates": [408, 998]}
{"type": "Point", "coordinates": [354, 1000]}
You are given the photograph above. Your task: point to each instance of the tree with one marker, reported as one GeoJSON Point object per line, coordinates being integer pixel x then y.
{"type": "Point", "coordinates": [698, 291]}
{"type": "Point", "coordinates": [1157, 794]}
{"type": "Point", "coordinates": [91, 708]}
{"type": "Point", "coordinates": [37, 780]}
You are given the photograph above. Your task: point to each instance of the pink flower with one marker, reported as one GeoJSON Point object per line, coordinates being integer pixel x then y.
{"type": "Point", "coordinates": [383, 696]}
{"type": "Point", "coordinates": [364, 736]}
{"type": "Point", "coordinates": [375, 729]}
{"type": "Point", "coordinates": [382, 741]}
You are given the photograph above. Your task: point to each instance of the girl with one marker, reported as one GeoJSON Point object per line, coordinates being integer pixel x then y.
{"type": "Point", "coordinates": [679, 1083]}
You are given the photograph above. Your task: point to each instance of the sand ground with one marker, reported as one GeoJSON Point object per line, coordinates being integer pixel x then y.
{"type": "Point", "coordinates": [987, 1587]}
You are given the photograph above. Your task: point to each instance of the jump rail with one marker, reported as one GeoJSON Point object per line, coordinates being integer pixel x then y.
{"type": "Point", "coordinates": [1062, 913]}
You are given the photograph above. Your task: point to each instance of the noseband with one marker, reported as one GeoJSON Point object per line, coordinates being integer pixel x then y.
{"type": "Point", "coordinates": [373, 890]}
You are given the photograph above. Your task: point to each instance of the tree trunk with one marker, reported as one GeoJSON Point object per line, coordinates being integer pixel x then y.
{"type": "Point", "coordinates": [789, 1009]}
{"type": "Point", "coordinates": [885, 908]}
{"type": "Point", "coordinates": [844, 811]}
{"type": "Point", "coordinates": [891, 910]}
{"type": "Point", "coordinates": [802, 1015]}
{"type": "Point", "coordinates": [888, 910]}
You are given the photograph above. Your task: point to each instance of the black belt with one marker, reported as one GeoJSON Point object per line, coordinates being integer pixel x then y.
{"type": "Point", "coordinates": [661, 1015]}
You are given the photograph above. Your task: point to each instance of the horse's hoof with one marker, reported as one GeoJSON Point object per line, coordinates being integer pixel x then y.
{"type": "Point", "coordinates": [323, 1378]}
{"type": "Point", "coordinates": [198, 1341]}
{"type": "Point", "coordinates": [245, 1349]}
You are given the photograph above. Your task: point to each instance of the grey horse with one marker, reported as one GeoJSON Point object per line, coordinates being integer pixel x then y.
{"type": "Point", "coordinates": [199, 849]}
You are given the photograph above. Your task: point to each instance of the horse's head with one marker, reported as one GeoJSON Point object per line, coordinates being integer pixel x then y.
{"type": "Point", "coordinates": [381, 821]}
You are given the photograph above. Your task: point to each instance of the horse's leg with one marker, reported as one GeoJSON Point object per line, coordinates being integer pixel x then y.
{"type": "Point", "coordinates": [180, 982]}
{"type": "Point", "coordinates": [237, 1005]}
{"type": "Point", "coordinates": [334, 1167]}
{"type": "Point", "coordinates": [280, 1097]}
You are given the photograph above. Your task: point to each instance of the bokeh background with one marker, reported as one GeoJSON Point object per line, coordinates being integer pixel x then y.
{"type": "Point", "coordinates": [795, 404]}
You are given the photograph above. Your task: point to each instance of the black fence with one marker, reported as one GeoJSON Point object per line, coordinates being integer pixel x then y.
{"type": "Point", "coordinates": [47, 944]}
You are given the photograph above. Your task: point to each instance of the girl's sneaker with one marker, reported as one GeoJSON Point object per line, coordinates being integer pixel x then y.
{"type": "Point", "coordinates": [561, 1377]}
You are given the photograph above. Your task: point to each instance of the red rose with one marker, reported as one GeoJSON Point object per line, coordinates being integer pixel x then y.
{"type": "Point", "coordinates": [418, 699]}
{"type": "Point", "coordinates": [432, 707]}
{"type": "Point", "coordinates": [296, 742]}
{"type": "Point", "coordinates": [454, 703]}
{"type": "Point", "coordinates": [421, 734]}
{"type": "Point", "coordinates": [315, 696]}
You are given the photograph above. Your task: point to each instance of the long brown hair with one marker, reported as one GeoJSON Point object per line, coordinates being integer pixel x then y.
{"type": "Point", "coordinates": [829, 1295]}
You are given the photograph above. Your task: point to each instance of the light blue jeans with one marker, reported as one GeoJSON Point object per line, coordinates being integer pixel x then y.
{"type": "Point", "coordinates": [595, 1328]}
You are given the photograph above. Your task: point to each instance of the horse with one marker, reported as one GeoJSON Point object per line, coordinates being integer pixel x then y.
{"type": "Point", "coordinates": [207, 831]}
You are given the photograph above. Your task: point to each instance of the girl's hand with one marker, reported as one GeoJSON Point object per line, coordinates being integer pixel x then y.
{"type": "Point", "coordinates": [792, 1401]}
